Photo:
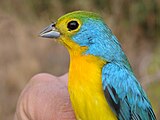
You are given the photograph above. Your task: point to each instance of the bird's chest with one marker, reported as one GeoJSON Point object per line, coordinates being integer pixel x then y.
{"type": "Point", "coordinates": [85, 89]}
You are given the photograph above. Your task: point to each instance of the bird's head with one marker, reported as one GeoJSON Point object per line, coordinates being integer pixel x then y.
{"type": "Point", "coordinates": [86, 33]}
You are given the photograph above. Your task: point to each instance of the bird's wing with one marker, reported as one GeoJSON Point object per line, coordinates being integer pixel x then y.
{"type": "Point", "coordinates": [125, 95]}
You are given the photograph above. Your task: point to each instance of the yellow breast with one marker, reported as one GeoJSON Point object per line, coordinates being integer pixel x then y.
{"type": "Point", "coordinates": [85, 88]}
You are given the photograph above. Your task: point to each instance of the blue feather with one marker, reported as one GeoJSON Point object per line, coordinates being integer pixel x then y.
{"type": "Point", "coordinates": [100, 41]}
{"type": "Point", "coordinates": [130, 97]}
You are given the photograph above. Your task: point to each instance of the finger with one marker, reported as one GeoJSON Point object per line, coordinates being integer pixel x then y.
{"type": "Point", "coordinates": [45, 98]}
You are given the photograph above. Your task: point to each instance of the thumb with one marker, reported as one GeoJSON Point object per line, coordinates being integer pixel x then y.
{"type": "Point", "coordinates": [45, 98]}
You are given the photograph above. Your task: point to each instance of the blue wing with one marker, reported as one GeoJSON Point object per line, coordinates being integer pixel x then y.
{"type": "Point", "coordinates": [124, 94]}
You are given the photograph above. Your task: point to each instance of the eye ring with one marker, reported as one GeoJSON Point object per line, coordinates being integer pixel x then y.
{"type": "Point", "coordinates": [72, 25]}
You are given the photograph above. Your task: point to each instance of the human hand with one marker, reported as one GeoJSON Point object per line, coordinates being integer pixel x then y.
{"type": "Point", "coordinates": [45, 98]}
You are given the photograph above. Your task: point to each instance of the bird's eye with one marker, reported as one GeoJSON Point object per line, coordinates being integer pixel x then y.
{"type": "Point", "coordinates": [72, 25]}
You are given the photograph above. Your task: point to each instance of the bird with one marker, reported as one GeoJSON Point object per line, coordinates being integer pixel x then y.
{"type": "Point", "coordinates": [102, 84]}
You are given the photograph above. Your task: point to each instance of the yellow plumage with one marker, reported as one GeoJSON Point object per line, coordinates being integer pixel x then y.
{"type": "Point", "coordinates": [85, 86]}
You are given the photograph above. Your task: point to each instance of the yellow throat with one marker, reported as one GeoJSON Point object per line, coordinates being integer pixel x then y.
{"type": "Point", "coordinates": [85, 85]}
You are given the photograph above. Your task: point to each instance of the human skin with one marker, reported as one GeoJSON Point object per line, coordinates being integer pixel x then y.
{"type": "Point", "coordinates": [45, 97]}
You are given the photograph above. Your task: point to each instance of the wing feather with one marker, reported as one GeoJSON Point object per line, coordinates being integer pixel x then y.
{"type": "Point", "coordinates": [124, 94]}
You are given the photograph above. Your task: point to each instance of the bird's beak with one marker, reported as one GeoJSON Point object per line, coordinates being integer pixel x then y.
{"type": "Point", "coordinates": [50, 32]}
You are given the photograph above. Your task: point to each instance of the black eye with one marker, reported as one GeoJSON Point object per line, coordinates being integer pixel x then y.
{"type": "Point", "coordinates": [72, 25]}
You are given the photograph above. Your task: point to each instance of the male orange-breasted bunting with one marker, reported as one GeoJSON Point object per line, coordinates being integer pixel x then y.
{"type": "Point", "coordinates": [102, 85]}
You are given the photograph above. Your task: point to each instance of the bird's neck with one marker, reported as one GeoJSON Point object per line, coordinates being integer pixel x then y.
{"type": "Point", "coordinates": [84, 69]}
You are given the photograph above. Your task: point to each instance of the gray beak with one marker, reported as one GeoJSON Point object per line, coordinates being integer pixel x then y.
{"type": "Point", "coordinates": [50, 32]}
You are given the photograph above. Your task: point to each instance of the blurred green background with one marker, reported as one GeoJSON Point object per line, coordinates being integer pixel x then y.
{"type": "Point", "coordinates": [136, 23]}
